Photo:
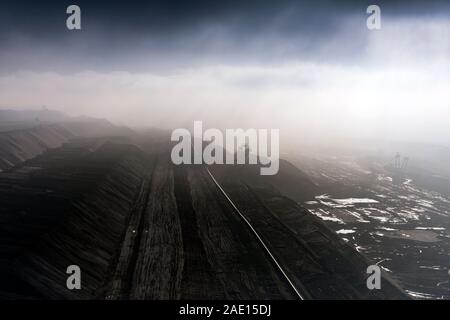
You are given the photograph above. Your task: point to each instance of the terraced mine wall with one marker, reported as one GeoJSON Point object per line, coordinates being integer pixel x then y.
{"type": "Point", "coordinates": [140, 227]}
{"type": "Point", "coordinates": [314, 257]}
{"type": "Point", "coordinates": [191, 245]}
{"type": "Point", "coordinates": [68, 206]}
{"type": "Point", "coordinates": [19, 145]}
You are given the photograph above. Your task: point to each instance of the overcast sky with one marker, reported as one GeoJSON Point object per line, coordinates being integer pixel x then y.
{"type": "Point", "coordinates": [312, 70]}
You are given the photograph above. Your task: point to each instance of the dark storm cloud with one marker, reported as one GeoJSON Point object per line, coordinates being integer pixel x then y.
{"type": "Point", "coordinates": [166, 15]}
{"type": "Point", "coordinates": [308, 68]}
{"type": "Point", "coordinates": [134, 35]}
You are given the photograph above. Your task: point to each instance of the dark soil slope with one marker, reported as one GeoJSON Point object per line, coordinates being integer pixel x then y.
{"type": "Point", "coordinates": [69, 206]}
{"type": "Point", "coordinates": [317, 260]}
{"type": "Point", "coordinates": [19, 145]}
